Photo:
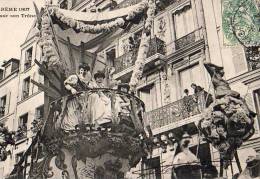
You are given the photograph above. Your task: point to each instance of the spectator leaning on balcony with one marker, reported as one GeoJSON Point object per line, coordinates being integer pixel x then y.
{"type": "Point", "coordinates": [199, 96]}
{"type": "Point", "coordinates": [80, 81]}
{"type": "Point", "coordinates": [188, 103]}
{"type": "Point", "coordinates": [203, 98]}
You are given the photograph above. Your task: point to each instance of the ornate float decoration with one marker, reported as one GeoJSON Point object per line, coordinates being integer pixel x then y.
{"type": "Point", "coordinates": [6, 138]}
{"type": "Point", "coordinates": [86, 141]}
{"type": "Point", "coordinates": [94, 132]}
{"type": "Point", "coordinates": [228, 121]}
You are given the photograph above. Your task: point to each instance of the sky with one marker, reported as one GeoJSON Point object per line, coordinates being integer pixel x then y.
{"type": "Point", "coordinates": [13, 30]}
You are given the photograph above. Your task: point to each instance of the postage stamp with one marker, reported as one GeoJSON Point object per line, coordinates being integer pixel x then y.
{"type": "Point", "coordinates": [241, 22]}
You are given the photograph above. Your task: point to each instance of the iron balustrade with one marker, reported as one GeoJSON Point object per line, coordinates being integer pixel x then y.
{"type": "Point", "coordinates": [128, 59]}
{"type": "Point", "coordinates": [175, 111]}
{"type": "Point", "coordinates": [127, 3]}
{"type": "Point", "coordinates": [186, 40]}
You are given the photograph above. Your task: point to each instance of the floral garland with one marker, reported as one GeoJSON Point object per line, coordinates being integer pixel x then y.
{"type": "Point", "coordinates": [87, 28]}
{"type": "Point", "coordinates": [144, 47]}
{"type": "Point", "coordinates": [102, 27]}
{"type": "Point", "coordinates": [50, 54]}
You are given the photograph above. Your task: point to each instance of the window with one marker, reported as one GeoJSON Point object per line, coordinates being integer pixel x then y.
{"type": "Point", "coordinates": [183, 22]}
{"type": "Point", "coordinates": [111, 55]}
{"type": "Point", "coordinates": [26, 88]}
{"type": "Point", "coordinates": [64, 4]}
{"type": "Point", "coordinates": [39, 112]}
{"type": "Point", "coordinates": [8, 70]}
{"type": "Point", "coordinates": [23, 120]}
{"type": "Point", "coordinates": [28, 58]}
{"type": "Point", "coordinates": [149, 97]}
{"type": "Point", "coordinates": [152, 168]}
{"type": "Point", "coordinates": [21, 132]}
{"type": "Point", "coordinates": [1, 74]}
{"type": "Point", "coordinates": [2, 106]}
{"type": "Point", "coordinates": [18, 157]}
{"type": "Point", "coordinates": [192, 74]}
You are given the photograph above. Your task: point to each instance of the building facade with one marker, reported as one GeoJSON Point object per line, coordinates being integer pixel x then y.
{"type": "Point", "coordinates": [185, 34]}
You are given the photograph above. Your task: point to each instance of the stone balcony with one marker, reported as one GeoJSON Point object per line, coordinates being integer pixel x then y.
{"type": "Point", "coordinates": [157, 46]}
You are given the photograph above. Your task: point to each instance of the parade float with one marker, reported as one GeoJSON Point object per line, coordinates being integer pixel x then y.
{"type": "Point", "coordinates": [90, 130]}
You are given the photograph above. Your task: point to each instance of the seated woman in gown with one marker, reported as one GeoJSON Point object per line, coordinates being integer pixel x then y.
{"type": "Point", "coordinates": [80, 81]}
{"type": "Point", "coordinates": [99, 105]}
{"type": "Point", "coordinates": [75, 111]}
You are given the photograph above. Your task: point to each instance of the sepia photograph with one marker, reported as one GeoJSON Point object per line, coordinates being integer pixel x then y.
{"type": "Point", "coordinates": [129, 89]}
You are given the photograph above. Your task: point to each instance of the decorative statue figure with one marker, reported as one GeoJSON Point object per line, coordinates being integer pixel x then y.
{"type": "Point", "coordinates": [220, 85]}
{"type": "Point", "coordinates": [227, 122]}
{"type": "Point", "coordinates": [80, 81]}
{"type": "Point", "coordinates": [6, 138]}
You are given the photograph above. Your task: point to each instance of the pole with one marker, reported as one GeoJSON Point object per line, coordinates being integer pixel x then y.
{"type": "Point", "coordinates": [221, 168]}
{"type": "Point", "coordinates": [231, 166]}
{"type": "Point", "coordinates": [238, 162]}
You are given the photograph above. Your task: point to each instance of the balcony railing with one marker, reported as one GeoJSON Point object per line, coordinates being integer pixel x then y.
{"type": "Point", "coordinates": [186, 40]}
{"type": "Point", "coordinates": [175, 111]}
{"type": "Point", "coordinates": [128, 59]}
{"type": "Point", "coordinates": [127, 3]}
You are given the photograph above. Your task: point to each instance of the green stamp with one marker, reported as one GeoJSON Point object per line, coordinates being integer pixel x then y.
{"type": "Point", "coordinates": [240, 21]}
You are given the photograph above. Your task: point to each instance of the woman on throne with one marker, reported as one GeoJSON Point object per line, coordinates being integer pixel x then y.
{"type": "Point", "coordinates": [76, 108]}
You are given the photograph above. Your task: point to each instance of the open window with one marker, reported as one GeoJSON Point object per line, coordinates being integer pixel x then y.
{"type": "Point", "coordinates": [26, 88]}
{"type": "Point", "coordinates": [111, 55]}
{"type": "Point", "coordinates": [183, 22]}
{"type": "Point", "coordinates": [28, 58]}
{"type": "Point", "coordinates": [149, 97]}
{"type": "Point", "coordinates": [39, 113]}
{"type": "Point", "coordinates": [2, 106]}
